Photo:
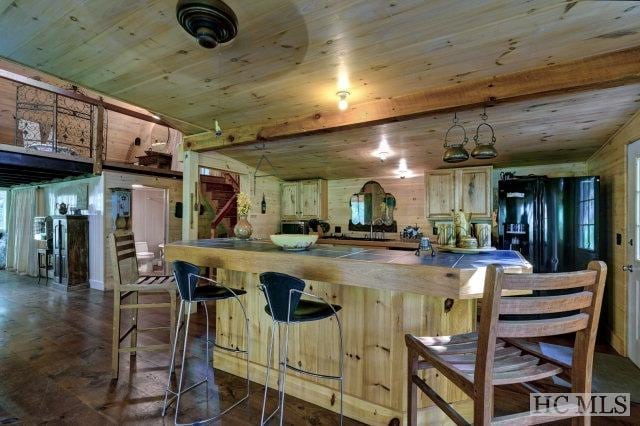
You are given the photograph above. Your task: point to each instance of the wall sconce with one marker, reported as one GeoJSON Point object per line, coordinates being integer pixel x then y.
{"type": "Point", "coordinates": [342, 102]}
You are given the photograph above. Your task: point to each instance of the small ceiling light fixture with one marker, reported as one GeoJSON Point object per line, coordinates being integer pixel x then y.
{"type": "Point", "coordinates": [383, 152]}
{"type": "Point", "coordinates": [342, 102]}
{"type": "Point", "coordinates": [403, 171]}
{"type": "Point", "coordinates": [486, 150]}
{"type": "Point", "coordinates": [455, 153]}
{"type": "Point", "coordinates": [211, 22]}
{"type": "Point", "coordinates": [155, 116]}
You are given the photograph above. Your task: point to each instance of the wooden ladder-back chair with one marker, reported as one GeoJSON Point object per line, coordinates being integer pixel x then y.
{"type": "Point", "coordinates": [128, 285]}
{"type": "Point", "coordinates": [496, 355]}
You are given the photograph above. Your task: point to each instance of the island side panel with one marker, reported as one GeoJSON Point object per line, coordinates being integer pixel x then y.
{"type": "Point", "coordinates": [374, 323]}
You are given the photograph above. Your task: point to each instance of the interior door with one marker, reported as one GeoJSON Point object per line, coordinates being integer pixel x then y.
{"type": "Point", "coordinates": [633, 253]}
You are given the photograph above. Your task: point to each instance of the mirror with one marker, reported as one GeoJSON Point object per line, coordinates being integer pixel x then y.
{"type": "Point", "coordinates": [372, 205]}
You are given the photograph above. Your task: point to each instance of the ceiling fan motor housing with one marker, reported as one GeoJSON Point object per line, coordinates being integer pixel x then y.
{"type": "Point", "coordinates": [211, 22]}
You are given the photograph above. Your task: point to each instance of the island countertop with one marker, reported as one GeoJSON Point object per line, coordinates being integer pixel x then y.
{"type": "Point", "coordinates": [451, 275]}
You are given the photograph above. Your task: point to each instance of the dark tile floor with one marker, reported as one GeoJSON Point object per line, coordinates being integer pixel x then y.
{"type": "Point", "coordinates": [55, 357]}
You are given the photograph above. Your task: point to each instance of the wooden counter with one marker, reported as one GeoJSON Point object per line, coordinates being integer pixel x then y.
{"type": "Point", "coordinates": [391, 244]}
{"type": "Point", "coordinates": [384, 294]}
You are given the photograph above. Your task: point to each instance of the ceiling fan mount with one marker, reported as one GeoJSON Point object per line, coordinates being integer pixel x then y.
{"type": "Point", "coordinates": [211, 22]}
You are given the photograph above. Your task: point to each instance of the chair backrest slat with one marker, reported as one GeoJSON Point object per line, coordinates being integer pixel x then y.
{"type": "Point", "coordinates": [557, 281]}
{"type": "Point", "coordinates": [124, 264]}
{"type": "Point", "coordinates": [543, 327]}
{"type": "Point", "coordinates": [545, 304]}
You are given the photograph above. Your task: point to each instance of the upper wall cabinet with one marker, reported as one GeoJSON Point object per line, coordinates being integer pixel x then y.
{"type": "Point", "coordinates": [467, 189]}
{"type": "Point", "coordinates": [305, 199]}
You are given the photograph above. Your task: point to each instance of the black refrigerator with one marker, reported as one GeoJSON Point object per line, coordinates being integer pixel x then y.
{"type": "Point", "coordinates": [553, 222]}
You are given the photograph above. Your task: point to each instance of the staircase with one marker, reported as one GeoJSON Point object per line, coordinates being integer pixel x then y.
{"type": "Point", "coordinates": [221, 191]}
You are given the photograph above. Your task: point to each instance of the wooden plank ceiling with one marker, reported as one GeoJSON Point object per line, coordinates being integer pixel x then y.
{"type": "Point", "coordinates": [291, 57]}
{"type": "Point", "coordinates": [554, 129]}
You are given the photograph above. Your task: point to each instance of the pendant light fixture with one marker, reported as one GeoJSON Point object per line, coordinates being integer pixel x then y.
{"type": "Point", "coordinates": [484, 150]}
{"type": "Point", "coordinates": [403, 171]}
{"type": "Point", "coordinates": [343, 104]}
{"type": "Point", "coordinates": [455, 153]}
{"type": "Point", "coordinates": [384, 151]}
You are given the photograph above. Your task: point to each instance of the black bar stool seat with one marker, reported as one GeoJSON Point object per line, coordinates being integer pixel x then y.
{"type": "Point", "coordinates": [210, 293]}
{"type": "Point", "coordinates": [309, 310]}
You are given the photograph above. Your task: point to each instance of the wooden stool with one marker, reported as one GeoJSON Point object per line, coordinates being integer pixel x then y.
{"type": "Point", "coordinates": [476, 362]}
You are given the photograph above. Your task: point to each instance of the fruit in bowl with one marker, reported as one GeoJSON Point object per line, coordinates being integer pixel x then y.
{"type": "Point", "coordinates": [294, 242]}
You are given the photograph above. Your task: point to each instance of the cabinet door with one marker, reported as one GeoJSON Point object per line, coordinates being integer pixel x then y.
{"type": "Point", "coordinates": [309, 199]}
{"type": "Point", "coordinates": [289, 206]}
{"type": "Point", "coordinates": [473, 187]}
{"type": "Point", "coordinates": [440, 193]}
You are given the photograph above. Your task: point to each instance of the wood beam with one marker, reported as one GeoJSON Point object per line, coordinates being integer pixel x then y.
{"type": "Point", "coordinates": [595, 72]}
{"type": "Point", "coordinates": [73, 94]}
{"type": "Point", "coordinates": [99, 142]}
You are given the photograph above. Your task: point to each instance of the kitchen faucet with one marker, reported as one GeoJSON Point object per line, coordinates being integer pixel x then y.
{"type": "Point", "coordinates": [377, 221]}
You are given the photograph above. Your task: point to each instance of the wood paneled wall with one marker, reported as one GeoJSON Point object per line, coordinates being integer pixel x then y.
{"type": "Point", "coordinates": [410, 194]}
{"type": "Point", "coordinates": [610, 163]}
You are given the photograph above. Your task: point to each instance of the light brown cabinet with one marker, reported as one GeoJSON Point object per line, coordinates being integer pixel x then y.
{"type": "Point", "coordinates": [305, 199]}
{"type": "Point", "coordinates": [467, 189]}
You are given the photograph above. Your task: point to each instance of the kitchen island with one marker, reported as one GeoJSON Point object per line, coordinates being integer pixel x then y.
{"type": "Point", "coordinates": [384, 294]}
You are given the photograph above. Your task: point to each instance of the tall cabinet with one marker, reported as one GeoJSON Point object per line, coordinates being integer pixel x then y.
{"type": "Point", "coordinates": [304, 199]}
{"type": "Point", "coordinates": [467, 189]}
{"type": "Point", "coordinates": [70, 252]}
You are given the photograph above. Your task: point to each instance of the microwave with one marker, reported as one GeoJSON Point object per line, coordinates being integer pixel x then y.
{"type": "Point", "coordinates": [294, 227]}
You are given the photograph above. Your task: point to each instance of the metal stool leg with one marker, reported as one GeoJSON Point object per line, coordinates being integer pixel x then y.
{"type": "Point", "coordinates": [173, 359]}
{"type": "Point", "coordinates": [266, 379]}
{"type": "Point", "coordinates": [184, 353]}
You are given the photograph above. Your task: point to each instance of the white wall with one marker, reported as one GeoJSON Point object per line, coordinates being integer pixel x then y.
{"type": "Point", "coordinates": [148, 213]}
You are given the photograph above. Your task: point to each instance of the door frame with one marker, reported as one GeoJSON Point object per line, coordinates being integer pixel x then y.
{"type": "Point", "coordinates": [633, 290]}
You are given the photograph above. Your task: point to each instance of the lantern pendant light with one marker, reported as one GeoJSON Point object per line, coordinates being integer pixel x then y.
{"type": "Point", "coordinates": [455, 153]}
{"type": "Point", "coordinates": [486, 150]}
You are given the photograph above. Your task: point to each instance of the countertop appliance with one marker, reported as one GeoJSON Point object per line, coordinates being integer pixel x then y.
{"type": "Point", "coordinates": [553, 222]}
{"type": "Point", "coordinates": [294, 227]}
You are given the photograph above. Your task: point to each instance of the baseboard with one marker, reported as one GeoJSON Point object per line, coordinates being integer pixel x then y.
{"type": "Point", "coordinates": [97, 285]}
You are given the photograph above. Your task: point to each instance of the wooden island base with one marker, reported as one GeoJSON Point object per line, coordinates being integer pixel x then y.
{"type": "Point", "coordinates": [374, 324]}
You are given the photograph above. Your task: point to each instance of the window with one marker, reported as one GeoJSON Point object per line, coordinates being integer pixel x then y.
{"type": "Point", "coordinates": [586, 214]}
{"type": "Point", "coordinates": [3, 210]}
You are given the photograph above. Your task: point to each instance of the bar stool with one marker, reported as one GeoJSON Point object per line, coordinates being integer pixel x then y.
{"type": "Point", "coordinates": [187, 278]}
{"type": "Point", "coordinates": [285, 306]}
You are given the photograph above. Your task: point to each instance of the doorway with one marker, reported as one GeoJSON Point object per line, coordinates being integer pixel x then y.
{"type": "Point", "coordinates": [149, 225]}
{"type": "Point", "coordinates": [218, 212]}
{"type": "Point", "coordinates": [633, 252]}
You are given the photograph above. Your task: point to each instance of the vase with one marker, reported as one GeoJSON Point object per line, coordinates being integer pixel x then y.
{"type": "Point", "coordinates": [243, 228]}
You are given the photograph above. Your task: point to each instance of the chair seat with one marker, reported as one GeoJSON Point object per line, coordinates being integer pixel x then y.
{"type": "Point", "coordinates": [212, 292]}
{"type": "Point", "coordinates": [456, 355]}
{"type": "Point", "coordinates": [309, 310]}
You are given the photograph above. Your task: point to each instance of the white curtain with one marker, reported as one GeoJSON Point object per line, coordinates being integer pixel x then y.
{"type": "Point", "coordinates": [22, 254]}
